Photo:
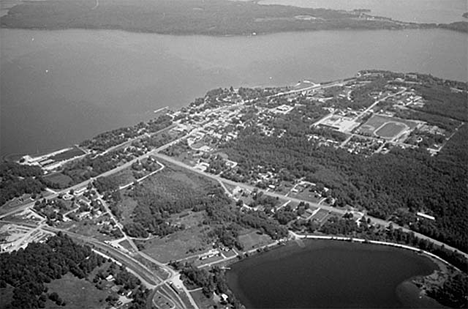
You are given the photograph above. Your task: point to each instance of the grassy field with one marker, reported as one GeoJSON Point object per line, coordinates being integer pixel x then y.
{"type": "Point", "coordinates": [74, 152]}
{"type": "Point", "coordinates": [77, 293]}
{"type": "Point", "coordinates": [377, 121]}
{"type": "Point", "coordinates": [251, 239]}
{"type": "Point", "coordinates": [179, 245]}
{"type": "Point", "coordinates": [62, 180]}
{"type": "Point", "coordinates": [307, 196]}
{"type": "Point", "coordinates": [390, 129]}
{"type": "Point", "coordinates": [124, 177]}
{"type": "Point", "coordinates": [201, 299]}
{"type": "Point", "coordinates": [127, 206]}
{"type": "Point", "coordinates": [88, 228]}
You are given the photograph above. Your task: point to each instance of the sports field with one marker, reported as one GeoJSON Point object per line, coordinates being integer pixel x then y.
{"type": "Point", "coordinates": [386, 127]}
{"type": "Point", "coordinates": [390, 129]}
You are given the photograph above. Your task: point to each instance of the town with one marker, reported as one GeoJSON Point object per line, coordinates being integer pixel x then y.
{"type": "Point", "coordinates": [215, 205]}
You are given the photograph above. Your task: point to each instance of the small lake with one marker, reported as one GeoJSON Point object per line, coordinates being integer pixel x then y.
{"type": "Point", "coordinates": [58, 88]}
{"type": "Point", "coordinates": [330, 274]}
{"type": "Point", "coordinates": [418, 11]}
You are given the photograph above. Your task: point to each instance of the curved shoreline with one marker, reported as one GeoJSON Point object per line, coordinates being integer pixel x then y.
{"type": "Point", "coordinates": [408, 293]}
{"type": "Point", "coordinates": [376, 242]}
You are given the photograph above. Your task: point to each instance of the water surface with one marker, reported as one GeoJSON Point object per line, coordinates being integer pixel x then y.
{"type": "Point", "coordinates": [328, 274]}
{"type": "Point", "coordinates": [61, 87]}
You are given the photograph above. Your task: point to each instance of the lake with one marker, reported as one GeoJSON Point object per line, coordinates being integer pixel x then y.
{"type": "Point", "coordinates": [330, 274]}
{"type": "Point", "coordinates": [61, 87]}
{"type": "Point", "coordinates": [418, 11]}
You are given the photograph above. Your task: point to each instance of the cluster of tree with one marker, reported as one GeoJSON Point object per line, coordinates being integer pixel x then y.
{"type": "Point", "coordinates": [441, 100]}
{"type": "Point", "coordinates": [228, 235]}
{"type": "Point", "coordinates": [211, 281]}
{"type": "Point", "coordinates": [115, 137]}
{"type": "Point", "coordinates": [453, 293]}
{"type": "Point", "coordinates": [461, 26]}
{"type": "Point", "coordinates": [381, 183]}
{"type": "Point", "coordinates": [88, 167]}
{"type": "Point", "coordinates": [347, 226]}
{"type": "Point", "coordinates": [155, 141]}
{"type": "Point", "coordinates": [27, 270]}
{"type": "Point", "coordinates": [140, 298]}
{"type": "Point", "coordinates": [230, 219]}
{"type": "Point", "coordinates": [51, 209]}
{"type": "Point", "coordinates": [255, 93]}
{"type": "Point", "coordinates": [155, 205]}
{"type": "Point", "coordinates": [17, 179]}
{"type": "Point", "coordinates": [106, 184]}
{"type": "Point", "coordinates": [260, 199]}
{"type": "Point", "coordinates": [444, 123]}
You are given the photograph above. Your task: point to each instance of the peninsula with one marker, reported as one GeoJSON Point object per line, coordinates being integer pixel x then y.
{"type": "Point", "coordinates": [378, 158]}
{"type": "Point", "coordinates": [189, 17]}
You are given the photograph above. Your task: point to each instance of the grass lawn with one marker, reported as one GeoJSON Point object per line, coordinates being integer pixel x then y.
{"type": "Point", "coordinates": [90, 229]}
{"type": "Point", "coordinates": [124, 177]}
{"type": "Point", "coordinates": [77, 293]}
{"type": "Point", "coordinates": [126, 244]}
{"type": "Point", "coordinates": [62, 180]}
{"type": "Point", "coordinates": [201, 299]}
{"type": "Point", "coordinates": [390, 130]}
{"type": "Point", "coordinates": [179, 245]}
{"type": "Point", "coordinates": [252, 239]}
{"type": "Point", "coordinates": [307, 196]}
{"type": "Point", "coordinates": [71, 153]}
{"type": "Point", "coordinates": [127, 205]}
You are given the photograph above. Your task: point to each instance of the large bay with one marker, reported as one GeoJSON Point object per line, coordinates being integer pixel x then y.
{"type": "Point", "coordinates": [60, 87]}
{"type": "Point", "coordinates": [330, 274]}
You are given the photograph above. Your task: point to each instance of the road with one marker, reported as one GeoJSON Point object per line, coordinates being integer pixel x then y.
{"type": "Point", "coordinates": [325, 207]}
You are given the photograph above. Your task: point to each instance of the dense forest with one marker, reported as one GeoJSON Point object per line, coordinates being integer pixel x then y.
{"type": "Point", "coordinates": [115, 137]}
{"type": "Point", "coordinates": [16, 180]}
{"type": "Point", "coordinates": [409, 179]}
{"type": "Point", "coordinates": [29, 270]}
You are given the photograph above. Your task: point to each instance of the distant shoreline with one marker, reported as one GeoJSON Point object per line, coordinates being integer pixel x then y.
{"type": "Point", "coordinates": [211, 17]}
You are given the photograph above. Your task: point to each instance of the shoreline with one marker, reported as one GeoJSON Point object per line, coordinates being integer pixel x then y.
{"type": "Point", "coordinates": [238, 34]}
{"type": "Point", "coordinates": [407, 291]}
{"type": "Point", "coordinates": [383, 243]}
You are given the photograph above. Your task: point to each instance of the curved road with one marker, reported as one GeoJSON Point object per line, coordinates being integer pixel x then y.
{"type": "Point", "coordinates": [329, 208]}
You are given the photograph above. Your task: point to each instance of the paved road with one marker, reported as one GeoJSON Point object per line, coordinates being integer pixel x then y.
{"type": "Point", "coordinates": [325, 207]}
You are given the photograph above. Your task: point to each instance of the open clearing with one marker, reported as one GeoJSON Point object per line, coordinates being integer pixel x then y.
{"type": "Point", "coordinates": [385, 126]}
{"type": "Point", "coordinates": [390, 129]}
{"type": "Point", "coordinates": [71, 153]}
{"type": "Point", "coordinates": [179, 245]}
{"type": "Point", "coordinates": [253, 239]}
{"type": "Point", "coordinates": [60, 179]}
{"type": "Point", "coordinates": [77, 293]}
